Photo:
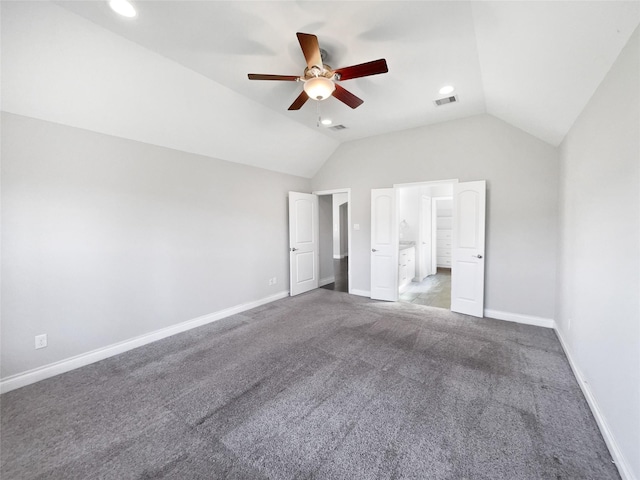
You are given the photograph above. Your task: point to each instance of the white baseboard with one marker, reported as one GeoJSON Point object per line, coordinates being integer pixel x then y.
{"type": "Point", "coordinates": [362, 293]}
{"type": "Point", "coordinates": [326, 281]}
{"type": "Point", "coordinates": [519, 318]}
{"type": "Point", "coordinates": [618, 457]}
{"type": "Point", "coordinates": [47, 371]}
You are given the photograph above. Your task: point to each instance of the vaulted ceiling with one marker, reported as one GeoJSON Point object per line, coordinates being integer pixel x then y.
{"type": "Point", "coordinates": [533, 64]}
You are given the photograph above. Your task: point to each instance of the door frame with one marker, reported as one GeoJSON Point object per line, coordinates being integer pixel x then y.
{"type": "Point", "coordinates": [430, 183]}
{"type": "Point", "coordinates": [349, 235]}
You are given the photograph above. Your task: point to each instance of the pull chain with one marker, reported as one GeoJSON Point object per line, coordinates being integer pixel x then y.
{"type": "Point", "coordinates": [318, 112]}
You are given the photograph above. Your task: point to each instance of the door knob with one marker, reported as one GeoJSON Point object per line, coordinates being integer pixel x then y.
{"type": "Point", "coordinates": [293, 249]}
{"type": "Point", "coordinates": [374, 250]}
{"type": "Point", "coordinates": [478, 256]}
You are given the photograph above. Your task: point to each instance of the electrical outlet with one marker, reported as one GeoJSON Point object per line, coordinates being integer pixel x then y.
{"type": "Point", "coordinates": [270, 282]}
{"type": "Point", "coordinates": [275, 281]}
{"type": "Point", "coordinates": [41, 341]}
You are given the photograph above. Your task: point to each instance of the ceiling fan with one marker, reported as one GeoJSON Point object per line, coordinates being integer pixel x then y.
{"type": "Point", "coordinates": [320, 80]}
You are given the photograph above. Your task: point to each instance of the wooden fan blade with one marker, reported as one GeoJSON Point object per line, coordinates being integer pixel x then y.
{"type": "Point", "coordinates": [310, 49]}
{"type": "Point", "coordinates": [300, 101]}
{"type": "Point", "coordinates": [285, 78]}
{"type": "Point", "coordinates": [347, 97]}
{"type": "Point", "coordinates": [363, 70]}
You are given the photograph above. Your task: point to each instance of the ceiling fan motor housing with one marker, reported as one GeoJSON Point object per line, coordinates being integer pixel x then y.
{"type": "Point", "coordinates": [314, 72]}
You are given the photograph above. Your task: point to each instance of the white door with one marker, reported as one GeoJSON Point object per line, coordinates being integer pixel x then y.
{"type": "Point", "coordinates": [424, 240]}
{"type": "Point", "coordinates": [384, 245]}
{"type": "Point", "coordinates": [467, 262]}
{"type": "Point", "coordinates": [303, 242]}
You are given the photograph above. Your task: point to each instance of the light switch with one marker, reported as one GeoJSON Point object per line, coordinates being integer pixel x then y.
{"type": "Point", "coordinates": [356, 226]}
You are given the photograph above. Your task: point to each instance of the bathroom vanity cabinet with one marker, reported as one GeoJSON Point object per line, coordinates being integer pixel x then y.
{"type": "Point", "coordinates": [406, 266]}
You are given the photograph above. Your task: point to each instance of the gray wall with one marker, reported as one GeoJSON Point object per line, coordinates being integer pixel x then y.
{"type": "Point", "coordinates": [599, 267]}
{"type": "Point", "coordinates": [522, 181]}
{"type": "Point", "coordinates": [105, 239]}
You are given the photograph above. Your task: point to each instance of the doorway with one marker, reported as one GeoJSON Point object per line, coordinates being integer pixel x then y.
{"type": "Point", "coordinates": [425, 215]}
{"type": "Point", "coordinates": [396, 248]}
{"type": "Point", "coordinates": [334, 208]}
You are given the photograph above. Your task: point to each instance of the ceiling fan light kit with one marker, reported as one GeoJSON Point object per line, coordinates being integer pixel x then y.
{"type": "Point", "coordinates": [320, 80]}
{"type": "Point", "coordinates": [319, 88]}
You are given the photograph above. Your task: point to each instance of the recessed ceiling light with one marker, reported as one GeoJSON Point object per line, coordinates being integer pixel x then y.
{"type": "Point", "coordinates": [123, 7]}
{"type": "Point", "coordinates": [326, 121]}
{"type": "Point", "coordinates": [446, 90]}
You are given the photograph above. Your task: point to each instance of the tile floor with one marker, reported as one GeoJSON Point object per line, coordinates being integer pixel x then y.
{"type": "Point", "coordinates": [433, 291]}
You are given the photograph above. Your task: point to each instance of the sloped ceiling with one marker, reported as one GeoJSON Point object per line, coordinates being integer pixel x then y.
{"type": "Point", "coordinates": [532, 64]}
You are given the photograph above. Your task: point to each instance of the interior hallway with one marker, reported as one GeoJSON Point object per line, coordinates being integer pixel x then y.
{"type": "Point", "coordinates": [433, 291]}
{"type": "Point", "coordinates": [341, 274]}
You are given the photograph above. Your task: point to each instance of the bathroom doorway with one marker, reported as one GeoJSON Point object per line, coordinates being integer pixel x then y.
{"type": "Point", "coordinates": [425, 214]}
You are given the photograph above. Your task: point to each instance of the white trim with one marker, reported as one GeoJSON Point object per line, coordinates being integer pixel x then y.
{"type": "Point", "coordinates": [607, 434]}
{"type": "Point", "coordinates": [520, 318]}
{"type": "Point", "coordinates": [425, 183]}
{"type": "Point", "coordinates": [47, 371]}
{"type": "Point", "coordinates": [326, 281]}
{"type": "Point", "coordinates": [339, 257]}
{"type": "Point", "coordinates": [362, 293]}
{"type": "Point", "coordinates": [331, 192]}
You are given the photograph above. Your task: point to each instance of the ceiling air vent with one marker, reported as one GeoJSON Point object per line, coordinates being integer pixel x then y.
{"type": "Point", "coordinates": [337, 127]}
{"type": "Point", "coordinates": [443, 101]}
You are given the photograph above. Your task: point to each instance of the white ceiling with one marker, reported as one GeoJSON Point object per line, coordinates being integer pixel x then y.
{"type": "Point", "coordinates": [533, 64]}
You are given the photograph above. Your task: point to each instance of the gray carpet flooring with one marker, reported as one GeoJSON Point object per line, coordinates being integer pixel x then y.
{"type": "Point", "coordinates": [320, 386]}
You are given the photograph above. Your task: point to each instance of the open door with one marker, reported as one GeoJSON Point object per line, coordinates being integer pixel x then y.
{"type": "Point", "coordinates": [384, 245]}
{"type": "Point", "coordinates": [303, 242]}
{"type": "Point", "coordinates": [467, 262]}
{"type": "Point", "coordinates": [424, 239]}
